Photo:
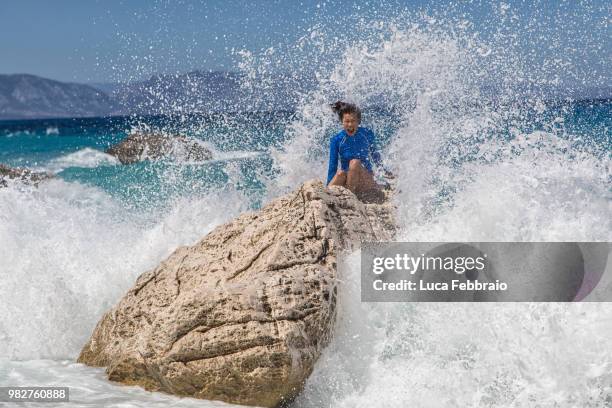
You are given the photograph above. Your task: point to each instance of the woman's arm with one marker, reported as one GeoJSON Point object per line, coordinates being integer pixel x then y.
{"type": "Point", "coordinates": [333, 159]}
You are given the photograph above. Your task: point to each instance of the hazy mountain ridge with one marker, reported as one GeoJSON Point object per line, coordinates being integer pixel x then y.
{"type": "Point", "coordinates": [193, 92]}
{"type": "Point", "coordinates": [211, 91]}
{"type": "Point", "coordinates": [24, 96]}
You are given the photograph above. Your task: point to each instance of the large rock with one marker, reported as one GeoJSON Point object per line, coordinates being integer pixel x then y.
{"type": "Point", "coordinates": [153, 146]}
{"type": "Point", "coordinates": [22, 174]}
{"type": "Point", "coordinates": [242, 315]}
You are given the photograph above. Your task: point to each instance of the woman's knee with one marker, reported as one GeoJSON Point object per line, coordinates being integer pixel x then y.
{"type": "Point", "coordinates": [355, 164]}
{"type": "Point", "coordinates": [341, 173]}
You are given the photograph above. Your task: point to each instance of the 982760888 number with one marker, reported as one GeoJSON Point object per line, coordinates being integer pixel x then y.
{"type": "Point", "coordinates": [34, 394]}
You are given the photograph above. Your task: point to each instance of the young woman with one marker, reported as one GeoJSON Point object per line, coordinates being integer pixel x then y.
{"type": "Point", "coordinates": [356, 148]}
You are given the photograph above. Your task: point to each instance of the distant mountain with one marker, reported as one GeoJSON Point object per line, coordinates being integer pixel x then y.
{"type": "Point", "coordinates": [106, 87]}
{"type": "Point", "coordinates": [24, 96]}
{"type": "Point", "coordinates": [192, 92]}
{"type": "Point", "coordinates": [27, 96]}
{"type": "Point", "coordinates": [205, 91]}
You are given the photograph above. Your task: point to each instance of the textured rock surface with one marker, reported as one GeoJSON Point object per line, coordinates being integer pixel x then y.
{"type": "Point", "coordinates": [242, 315]}
{"type": "Point", "coordinates": [24, 175]}
{"type": "Point", "coordinates": [153, 146]}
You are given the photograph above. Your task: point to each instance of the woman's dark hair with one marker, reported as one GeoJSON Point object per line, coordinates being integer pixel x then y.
{"type": "Point", "coordinates": [340, 108]}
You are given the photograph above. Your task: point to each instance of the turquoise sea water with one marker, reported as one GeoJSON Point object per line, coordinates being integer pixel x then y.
{"type": "Point", "coordinates": [73, 149]}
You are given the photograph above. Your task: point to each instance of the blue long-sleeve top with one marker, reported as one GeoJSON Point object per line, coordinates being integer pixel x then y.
{"type": "Point", "coordinates": [362, 146]}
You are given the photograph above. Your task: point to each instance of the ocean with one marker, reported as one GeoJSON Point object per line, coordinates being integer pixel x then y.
{"type": "Point", "coordinates": [470, 166]}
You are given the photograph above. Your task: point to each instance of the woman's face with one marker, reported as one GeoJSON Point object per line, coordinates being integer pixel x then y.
{"type": "Point", "coordinates": [350, 123]}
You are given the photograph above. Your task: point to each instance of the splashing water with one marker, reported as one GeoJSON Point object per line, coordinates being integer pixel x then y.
{"type": "Point", "coordinates": [477, 158]}
{"type": "Point", "coordinates": [470, 167]}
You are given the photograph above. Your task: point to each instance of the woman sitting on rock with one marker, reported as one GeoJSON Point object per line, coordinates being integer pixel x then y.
{"type": "Point", "coordinates": [356, 148]}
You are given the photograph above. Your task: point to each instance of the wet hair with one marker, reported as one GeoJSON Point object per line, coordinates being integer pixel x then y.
{"type": "Point", "coordinates": [340, 108]}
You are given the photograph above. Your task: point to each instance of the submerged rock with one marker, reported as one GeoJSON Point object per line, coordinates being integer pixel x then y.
{"type": "Point", "coordinates": [22, 174]}
{"type": "Point", "coordinates": [154, 146]}
{"type": "Point", "coordinates": [242, 315]}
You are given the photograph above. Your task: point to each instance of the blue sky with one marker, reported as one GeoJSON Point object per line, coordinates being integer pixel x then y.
{"type": "Point", "coordinates": [97, 41]}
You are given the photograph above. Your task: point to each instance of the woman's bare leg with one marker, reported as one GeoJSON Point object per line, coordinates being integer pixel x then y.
{"type": "Point", "coordinates": [353, 175]}
{"type": "Point", "coordinates": [339, 179]}
{"type": "Point", "coordinates": [359, 179]}
{"type": "Point", "coordinates": [361, 182]}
